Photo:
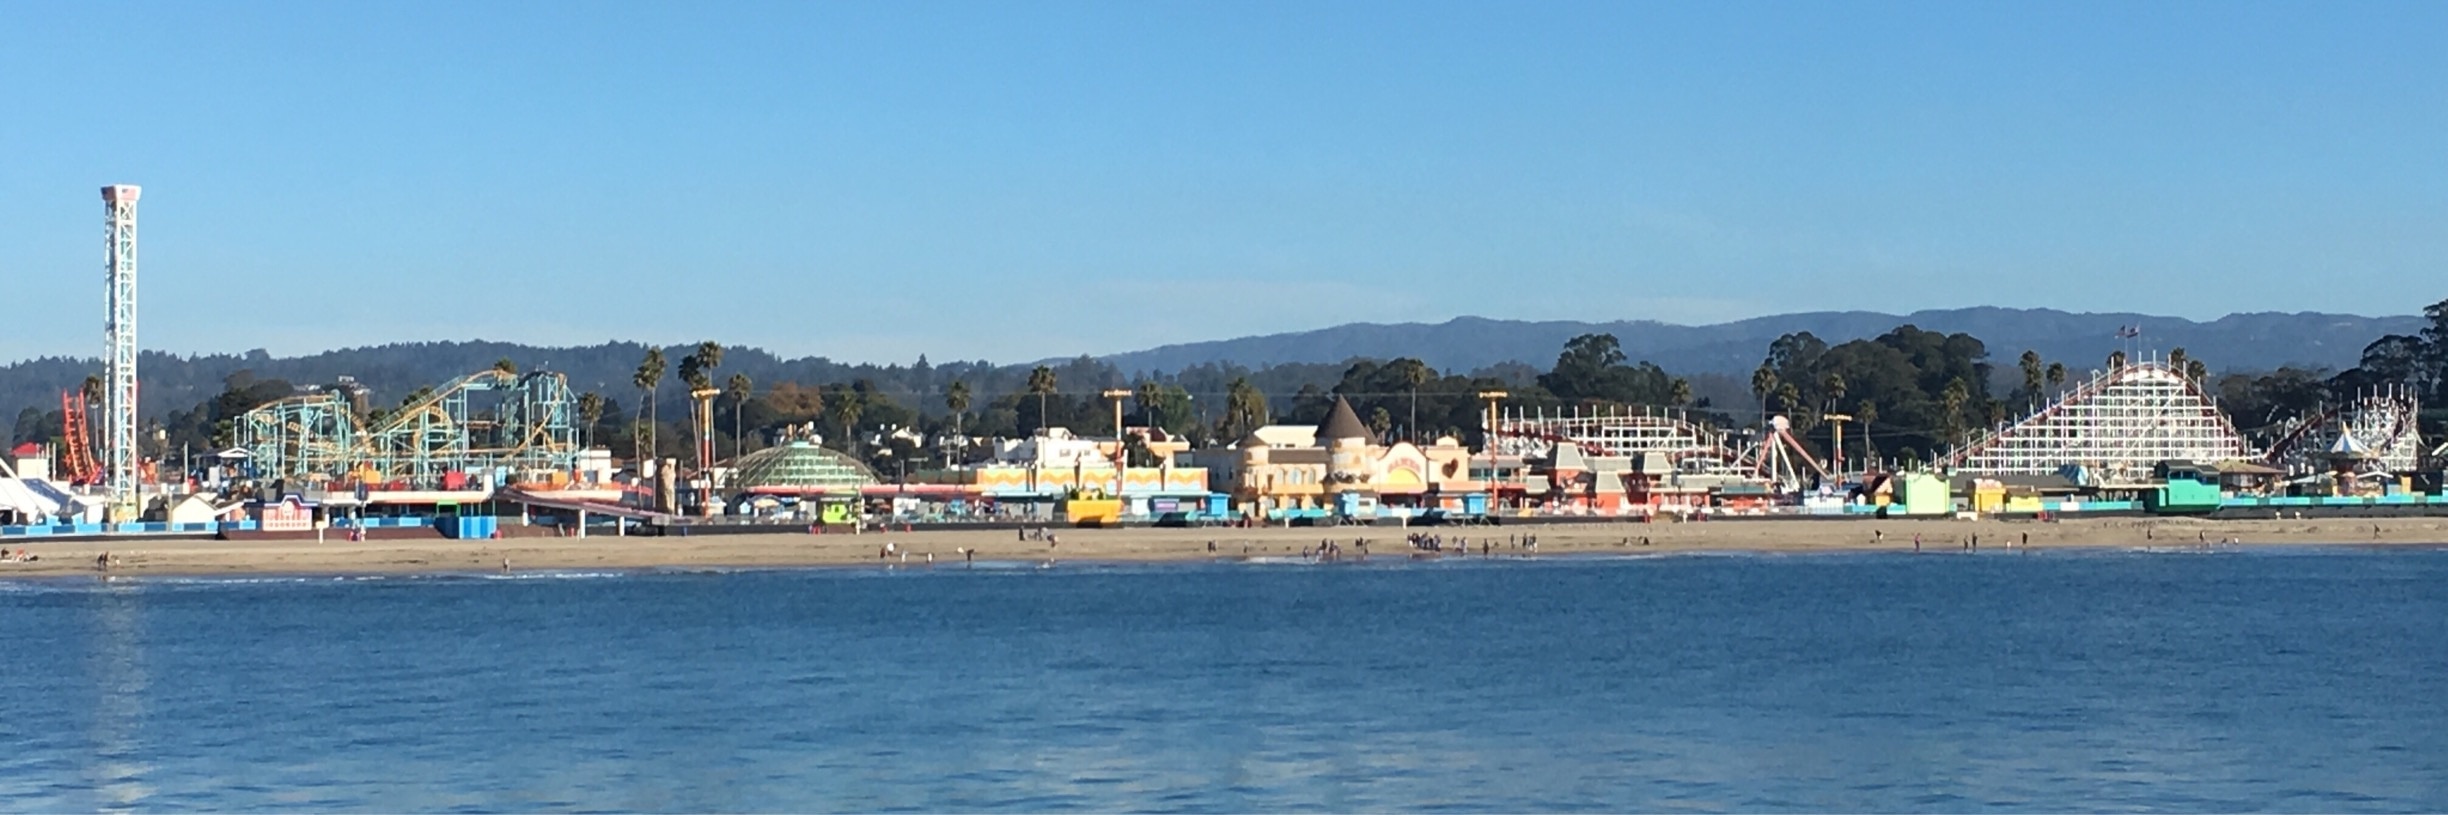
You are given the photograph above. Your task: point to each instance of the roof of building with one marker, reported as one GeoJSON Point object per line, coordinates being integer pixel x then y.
{"type": "Point", "coordinates": [1342, 423]}
{"type": "Point", "coordinates": [1281, 435]}
{"type": "Point", "coordinates": [2237, 466]}
{"type": "Point", "coordinates": [2348, 446]}
{"type": "Point", "coordinates": [800, 465]}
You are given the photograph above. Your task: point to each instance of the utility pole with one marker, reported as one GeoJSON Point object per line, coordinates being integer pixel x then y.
{"type": "Point", "coordinates": [1487, 439]}
{"type": "Point", "coordinates": [1839, 420]}
{"type": "Point", "coordinates": [1121, 449]}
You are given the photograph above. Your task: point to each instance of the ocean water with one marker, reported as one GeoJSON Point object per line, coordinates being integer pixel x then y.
{"type": "Point", "coordinates": [2311, 679]}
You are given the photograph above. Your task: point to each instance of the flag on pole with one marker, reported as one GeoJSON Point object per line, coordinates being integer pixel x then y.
{"type": "Point", "coordinates": [2127, 332]}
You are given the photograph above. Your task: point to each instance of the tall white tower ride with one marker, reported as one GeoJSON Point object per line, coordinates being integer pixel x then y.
{"type": "Point", "coordinates": [119, 395]}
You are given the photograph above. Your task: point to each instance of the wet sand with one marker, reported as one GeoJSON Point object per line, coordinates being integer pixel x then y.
{"type": "Point", "coordinates": [213, 557]}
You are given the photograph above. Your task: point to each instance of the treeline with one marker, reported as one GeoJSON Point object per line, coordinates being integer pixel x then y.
{"type": "Point", "coordinates": [1905, 394]}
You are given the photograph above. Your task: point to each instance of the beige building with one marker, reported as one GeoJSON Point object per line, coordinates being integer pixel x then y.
{"type": "Point", "coordinates": [1280, 468]}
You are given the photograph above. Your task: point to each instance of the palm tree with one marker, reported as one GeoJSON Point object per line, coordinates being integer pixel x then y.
{"type": "Point", "coordinates": [1952, 401]}
{"type": "Point", "coordinates": [590, 413]}
{"type": "Point", "coordinates": [2032, 373]}
{"type": "Point", "coordinates": [1834, 386]}
{"type": "Point", "coordinates": [1148, 394]}
{"type": "Point", "coordinates": [649, 378]}
{"type": "Point", "coordinates": [2197, 371]}
{"type": "Point", "coordinates": [1245, 409]}
{"type": "Point", "coordinates": [505, 366]}
{"type": "Point", "coordinates": [845, 409]}
{"type": "Point", "coordinates": [2056, 376]}
{"type": "Point", "coordinates": [1414, 373]}
{"type": "Point", "coordinates": [697, 371]}
{"type": "Point", "coordinates": [1041, 382]}
{"type": "Point", "coordinates": [2116, 359]}
{"type": "Point", "coordinates": [1763, 383]}
{"type": "Point", "coordinates": [956, 399]}
{"type": "Point", "coordinates": [739, 388]}
{"type": "Point", "coordinates": [2176, 360]}
{"type": "Point", "coordinates": [1866, 414]}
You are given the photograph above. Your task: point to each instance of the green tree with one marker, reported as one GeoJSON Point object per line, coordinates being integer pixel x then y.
{"type": "Point", "coordinates": [846, 408]}
{"type": "Point", "coordinates": [738, 389]}
{"type": "Point", "coordinates": [1245, 409]}
{"type": "Point", "coordinates": [2056, 376]}
{"type": "Point", "coordinates": [1763, 383]}
{"type": "Point", "coordinates": [2116, 360]}
{"type": "Point", "coordinates": [505, 366]}
{"type": "Point", "coordinates": [590, 413]}
{"type": "Point", "coordinates": [1582, 370]}
{"type": "Point", "coordinates": [956, 399]}
{"type": "Point", "coordinates": [1867, 413]}
{"type": "Point", "coordinates": [649, 378]}
{"type": "Point", "coordinates": [1041, 382]}
{"type": "Point", "coordinates": [1149, 396]}
{"type": "Point", "coordinates": [1952, 402]}
{"type": "Point", "coordinates": [2033, 374]}
{"type": "Point", "coordinates": [1679, 394]}
{"type": "Point", "coordinates": [1414, 373]}
{"type": "Point", "coordinates": [2176, 360]}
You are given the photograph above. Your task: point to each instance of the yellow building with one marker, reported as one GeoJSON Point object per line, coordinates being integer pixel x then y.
{"type": "Point", "coordinates": [1297, 468]}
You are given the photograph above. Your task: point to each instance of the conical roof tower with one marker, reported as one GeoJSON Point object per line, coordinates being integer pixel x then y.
{"type": "Point", "coordinates": [1342, 423]}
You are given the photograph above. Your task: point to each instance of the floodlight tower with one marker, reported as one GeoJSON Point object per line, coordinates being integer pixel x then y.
{"type": "Point", "coordinates": [119, 388]}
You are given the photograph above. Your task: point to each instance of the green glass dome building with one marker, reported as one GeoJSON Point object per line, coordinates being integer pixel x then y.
{"type": "Point", "coordinates": [800, 468]}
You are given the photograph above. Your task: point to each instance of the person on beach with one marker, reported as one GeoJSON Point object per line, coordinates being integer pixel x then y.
{"type": "Point", "coordinates": [1916, 541]}
{"type": "Point", "coordinates": [1877, 536]}
{"type": "Point", "coordinates": [102, 562]}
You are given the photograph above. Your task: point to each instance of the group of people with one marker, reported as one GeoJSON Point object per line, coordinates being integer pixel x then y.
{"type": "Point", "coordinates": [1039, 534]}
{"type": "Point", "coordinates": [1326, 550]}
{"type": "Point", "coordinates": [1487, 546]}
{"type": "Point", "coordinates": [19, 556]}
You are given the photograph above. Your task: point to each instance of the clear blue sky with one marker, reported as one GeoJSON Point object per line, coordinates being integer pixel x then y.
{"type": "Point", "coordinates": [1012, 180]}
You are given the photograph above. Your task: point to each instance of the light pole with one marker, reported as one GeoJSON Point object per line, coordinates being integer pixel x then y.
{"type": "Point", "coordinates": [1121, 450]}
{"type": "Point", "coordinates": [1487, 439]}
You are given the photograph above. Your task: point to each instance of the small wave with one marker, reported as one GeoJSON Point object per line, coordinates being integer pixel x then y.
{"type": "Point", "coordinates": [552, 575]}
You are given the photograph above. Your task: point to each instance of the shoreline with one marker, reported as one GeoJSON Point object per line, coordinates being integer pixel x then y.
{"type": "Point", "coordinates": [207, 558]}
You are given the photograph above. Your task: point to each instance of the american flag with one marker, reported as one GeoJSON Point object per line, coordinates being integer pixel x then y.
{"type": "Point", "coordinates": [2127, 332]}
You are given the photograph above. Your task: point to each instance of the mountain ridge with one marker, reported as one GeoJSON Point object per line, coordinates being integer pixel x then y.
{"type": "Point", "coordinates": [2240, 341]}
{"type": "Point", "coordinates": [2249, 341]}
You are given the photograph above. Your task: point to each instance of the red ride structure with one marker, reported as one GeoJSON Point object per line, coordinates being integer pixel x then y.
{"type": "Point", "coordinates": [76, 460]}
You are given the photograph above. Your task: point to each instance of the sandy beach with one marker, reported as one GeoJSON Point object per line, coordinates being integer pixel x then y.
{"type": "Point", "coordinates": [215, 557]}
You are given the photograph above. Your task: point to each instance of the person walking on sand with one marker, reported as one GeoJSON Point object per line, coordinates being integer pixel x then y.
{"type": "Point", "coordinates": [1916, 541]}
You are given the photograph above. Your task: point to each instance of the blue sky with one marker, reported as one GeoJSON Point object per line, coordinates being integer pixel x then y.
{"type": "Point", "coordinates": [1018, 180]}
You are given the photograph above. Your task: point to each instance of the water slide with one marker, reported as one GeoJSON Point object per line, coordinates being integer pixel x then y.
{"type": "Point", "coordinates": [31, 498]}
{"type": "Point", "coordinates": [570, 504]}
{"type": "Point", "coordinates": [67, 504]}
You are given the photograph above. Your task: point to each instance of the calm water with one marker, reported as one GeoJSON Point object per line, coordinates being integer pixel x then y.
{"type": "Point", "coordinates": [2296, 680]}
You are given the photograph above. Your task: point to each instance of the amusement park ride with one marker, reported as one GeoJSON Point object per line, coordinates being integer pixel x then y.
{"type": "Point", "coordinates": [480, 424]}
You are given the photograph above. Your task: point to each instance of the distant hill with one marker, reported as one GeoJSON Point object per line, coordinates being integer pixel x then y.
{"type": "Point", "coordinates": [2258, 341]}
{"type": "Point", "coordinates": [2235, 342]}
